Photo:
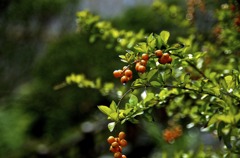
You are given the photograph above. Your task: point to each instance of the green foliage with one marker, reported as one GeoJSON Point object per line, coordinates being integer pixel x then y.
{"type": "Point", "coordinates": [207, 93]}
{"type": "Point", "coordinates": [120, 39]}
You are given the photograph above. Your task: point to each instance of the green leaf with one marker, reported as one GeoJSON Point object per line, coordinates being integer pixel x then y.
{"type": "Point", "coordinates": [213, 119]}
{"type": "Point", "coordinates": [104, 109]}
{"type": "Point", "coordinates": [141, 47]}
{"type": "Point", "coordinates": [151, 73]}
{"type": "Point", "coordinates": [114, 116]}
{"type": "Point", "coordinates": [113, 106]}
{"type": "Point", "coordinates": [165, 36]}
{"type": "Point", "coordinates": [151, 41]}
{"type": "Point", "coordinates": [223, 83]}
{"type": "Point", "coordinates": [155, 83]}
{"type": "Point", "coordinates": [226, 118]}
{"type": "Point", "coordinates": [111, 126]}
{"type": "Point", "coordinates": [134, 121]}
{"type": "Point", "coordinates": [149, 97]}
{"type": "Point", "coordinates": [133, 100]}
{"type": "Point", "coordinates": [127, 111]}
{"type": "Point", "coordinates": [159, 41]}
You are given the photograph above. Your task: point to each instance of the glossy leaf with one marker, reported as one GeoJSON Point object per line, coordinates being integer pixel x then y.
{"type": "Point", "coordinates": [104, 109]}
{"type": "Point", "coordinates": [111, 126]}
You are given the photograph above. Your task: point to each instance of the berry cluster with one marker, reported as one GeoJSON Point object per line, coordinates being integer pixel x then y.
{"type": "Point", "coordinates": [163, 58]}
{"type": "Point", "coordinates": [170, 134]}
{"type": "Point", "coordinates": [125, 74]}
{"type": "Point", "coordinates": [117, 143]}
{"type": "Point", "coordinates": [141, 64]}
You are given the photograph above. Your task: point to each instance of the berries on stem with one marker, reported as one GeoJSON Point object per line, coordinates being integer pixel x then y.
{"type": "Point", "coordinates": [117, 143]}
{"type": "Point", "coordinates": [125, 74]}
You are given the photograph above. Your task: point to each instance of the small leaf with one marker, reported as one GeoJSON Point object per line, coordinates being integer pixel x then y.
{"type": "Point", "coordinates": [113, 106]}
{"type": "Point", "coordinates": [111, 126]}
{"type": "Point", "coordinates": [114, 116]}
{"type": "Point", "coordinates": [164, 35]}
{"type": "Point", "coordinates": [223, 83]}
{"type": "Point", "coordinates": [134, 121]}
{"type": "Point", "coordinates": [133, 100]}
{"type": "Point", "coordinates": [155, 83]}
{"type": "Point", "coordinates": [104, 109]}
{"type": "Point", "coordinates": [141, 47]}
{"type": "Point", "coordinates": [213, 120]}
{"type": "Point", "coordinates": [159, 42]}
{"type": "Point", "coordinates": [151, 41]}
{"type": "Point", "coordinates": [226, 118]}
{"type": "Point", "coordinates": [151, 73]}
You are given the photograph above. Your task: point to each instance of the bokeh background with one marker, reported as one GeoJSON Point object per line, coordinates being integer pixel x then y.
{"type": "Point", "coordinates": [40, 46]}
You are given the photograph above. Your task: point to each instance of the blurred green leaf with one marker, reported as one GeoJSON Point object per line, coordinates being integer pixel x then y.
{"type": "Point", "coordinates": [165, 36]}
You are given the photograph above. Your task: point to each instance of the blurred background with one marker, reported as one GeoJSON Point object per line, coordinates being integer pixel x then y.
{"type": "Point", "coordinates": [39, 47]}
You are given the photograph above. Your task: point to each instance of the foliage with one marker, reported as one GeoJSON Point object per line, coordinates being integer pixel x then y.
{"type": "Point", "coordinates": [193, 87]}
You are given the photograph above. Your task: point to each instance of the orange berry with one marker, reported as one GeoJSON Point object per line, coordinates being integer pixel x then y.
{"type": "Point", "coordinates": [117, 73]}
{"type": "Point", "coordinates": [117, 140]}
{"type": "Point", "coordinates": [168, 135]}
{"type": "Point", "coordinates": [137, 66]}
{"type": "Point", "coordinates": [124, 156]}
{"type": "Point", "coordinates": [121, 135]}
{"type": "Point", "coordinates": [163, 60]}
{"type": "Point", "coordinates": [128, 73]}
{"type": "Point", "coordinates": [110, 139]}
{"type": "Point", "coordinates": [113, 150]}
{"type": "Point", "coordinates": [141, 68]}
{"type": "Point", "coordinates": [123, 143]}
{"type": "Point", "coordinates": [169, 59]}
{"type": "Point", "coordinates": [115, 144]}
{"type": "Point", "coordinates": [124, 79]}
{"type": "Point", "coordinates": [143, 62]}
{"type": "Point", "coordinates": [118, 155]}
{"type": "Point", "coordinates": [145, 56]}
{"type": "Point", "coordinates": [165, 55]}
{"type": "Point", "coordinates": [159, 53]}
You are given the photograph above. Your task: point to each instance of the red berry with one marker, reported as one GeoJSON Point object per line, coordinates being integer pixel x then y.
{"type": "Point", "coordinates": [143, 62]}
{"type": "Point", "coordinates": [169, 59]}
{"type": "Point", "coordinates": [118, 155]}
{"type": "Point", "coordinates": [124, 79]}
{"type": "Point", "coordinates": [115, 144]}
{"type": "Point", "coordinates": [165, 55]}
{"type": "Point", "coordinates": [141, 68]}
{"type": "Point", "coordinates": [121, 135]}
{"type": "Point", "coordinates": [123, 143]}
{"type": "Point", "coordinates": [128, 73]}
{"type": "Point", "coordinates": [117, 73]}
{"type": "Point", "coordinates": [110, 139]}
{"type": "Point", "coordinates": [145, 56]}
{"type": "Point", "coordinates": [137, 66]}
{"type": "Point", "coordinates": [159, 53]}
